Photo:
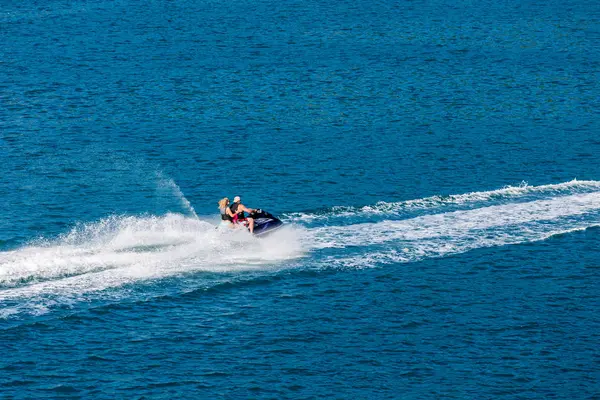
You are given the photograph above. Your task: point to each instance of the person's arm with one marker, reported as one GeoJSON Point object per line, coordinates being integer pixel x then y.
{"type": "Point", "coordinates": [228, 212]}
{"type": "Point", "coordinates": [246, 209]}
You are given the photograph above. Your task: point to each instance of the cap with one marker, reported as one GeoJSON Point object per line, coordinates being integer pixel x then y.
{"type": "Point", "coordinates": [237, 199]}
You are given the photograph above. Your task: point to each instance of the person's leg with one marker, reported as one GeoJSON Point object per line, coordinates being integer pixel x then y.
{"type": "Point", "coordinates": [251, 224]}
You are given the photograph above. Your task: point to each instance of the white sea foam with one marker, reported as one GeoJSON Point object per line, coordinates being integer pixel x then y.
{"type": "Point", "coordinates": [120, 250]}
{"type": "Point", "coordinates": [458, 231]}
{"type": "Point", "coordinates": [454, 224]}
{"type": "Point", "coordinates": [507, 193]}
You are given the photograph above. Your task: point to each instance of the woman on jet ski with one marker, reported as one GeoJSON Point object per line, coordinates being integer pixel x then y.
{"type": "Point", "coordinates": [237, 210]}
{"type": "Point", "coordinates": [226, 214]}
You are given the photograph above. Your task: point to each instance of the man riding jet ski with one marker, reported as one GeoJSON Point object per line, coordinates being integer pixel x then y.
{"type": "Point", "coordinates": [258, 222]}
{"type": "Point", "coordinates": [237, 209]}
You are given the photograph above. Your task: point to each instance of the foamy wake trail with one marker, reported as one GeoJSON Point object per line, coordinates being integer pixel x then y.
{"type": "Point", "coordinates": [506, 194]}
{"type": "Point", "coordinates": [122, 250]}
{"type": "Point", "coordinates": [458, 231]}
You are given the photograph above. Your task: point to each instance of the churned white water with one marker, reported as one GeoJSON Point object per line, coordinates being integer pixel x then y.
{"type": "Point", "coordinates": [120, 250]}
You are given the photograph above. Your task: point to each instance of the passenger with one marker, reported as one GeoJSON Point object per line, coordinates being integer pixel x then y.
{"type": "Point", "coordinates": [226, 214]}
{"type": "Point", "coordinates": [237, 210]}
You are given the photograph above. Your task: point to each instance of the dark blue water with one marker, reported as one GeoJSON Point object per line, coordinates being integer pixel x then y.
{"type": "Point", "coordinates": [435, 164]}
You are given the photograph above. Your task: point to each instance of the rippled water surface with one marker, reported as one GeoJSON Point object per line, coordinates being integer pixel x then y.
{"type": "Point", "coordinates": [435, 165]}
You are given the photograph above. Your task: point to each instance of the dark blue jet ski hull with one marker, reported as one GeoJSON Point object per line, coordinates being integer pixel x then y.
{"type": "Point", "coordinates": [265, 223]}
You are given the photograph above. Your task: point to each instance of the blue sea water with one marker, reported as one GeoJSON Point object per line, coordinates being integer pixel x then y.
{"type": "Point", "coordinates": [435, 164]}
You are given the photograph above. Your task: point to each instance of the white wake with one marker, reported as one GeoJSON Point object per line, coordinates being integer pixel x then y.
{"type": "Point", "coordinates": [122, 250]}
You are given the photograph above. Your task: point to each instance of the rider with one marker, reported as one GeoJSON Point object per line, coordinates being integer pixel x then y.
{"type": "Point", "coordinates": [237, 210]}
{"type": "Point", "coordinates": [226, 214]}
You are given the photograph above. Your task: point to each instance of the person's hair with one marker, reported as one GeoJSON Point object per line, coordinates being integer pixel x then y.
{"type": "Point", "coordinates": [223, 202]}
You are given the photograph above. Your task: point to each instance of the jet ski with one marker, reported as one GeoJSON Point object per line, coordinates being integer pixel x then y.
{"type": "Point", "coordinates": [264, 222]}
